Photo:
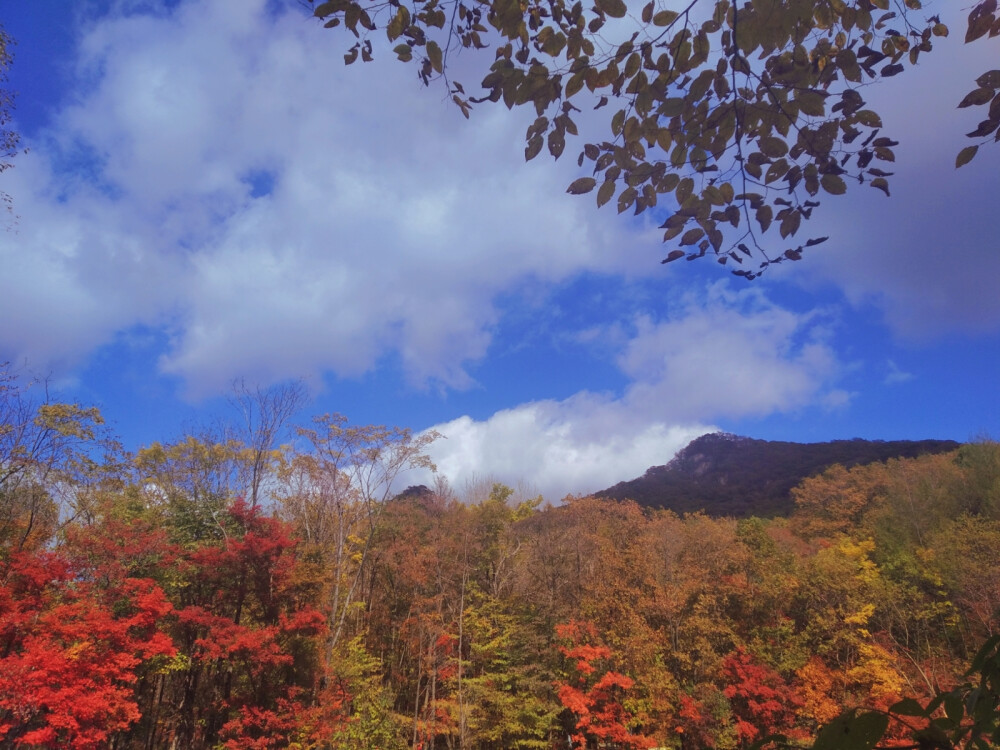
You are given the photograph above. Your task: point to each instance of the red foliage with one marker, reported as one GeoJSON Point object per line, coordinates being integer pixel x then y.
{"type": "Point", "coordinates": [761, 701]}
{"type": "Point", "coordinates": [69, 649]}
{"type": "Point", "coordinates": [695, 725]}
{"type": "Point", "coordinates": [594, 698]}
{"type": "Point", "coordinates": [292, 720]}
{"type": "Point", "coordinates": [245, 622]}
{"type": "Point", "coordinates": [78, 628]}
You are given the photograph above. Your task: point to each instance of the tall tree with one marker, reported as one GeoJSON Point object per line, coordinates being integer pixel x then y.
{"type": "Point", "coordinates": [189, 483]}
{"type": "Point", "coordinates": [46, 449]}
{"type": "Point", "coordinates": [251, 643]}
{"type": "Point", "coordinates": [337, 492]}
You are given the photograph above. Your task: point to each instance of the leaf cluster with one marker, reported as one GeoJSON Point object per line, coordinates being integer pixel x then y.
{"type": "Point", "coordinates": [735, 118]}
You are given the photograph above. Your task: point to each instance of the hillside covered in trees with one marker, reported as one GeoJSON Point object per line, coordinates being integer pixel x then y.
{"type": "Point", "coordinates": [730, 475]}
{"type": "Point", "coordinates": [220, 591]}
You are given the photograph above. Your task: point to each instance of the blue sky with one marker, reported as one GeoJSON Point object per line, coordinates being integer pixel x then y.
{"type": "Point", "coordinates": [210, 195]}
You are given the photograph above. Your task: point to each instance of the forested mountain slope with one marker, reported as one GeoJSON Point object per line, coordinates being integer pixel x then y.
{"type": "Point", "coordinates": [219, 592]}
{"type": "Point", "coordinates": [728, 475]}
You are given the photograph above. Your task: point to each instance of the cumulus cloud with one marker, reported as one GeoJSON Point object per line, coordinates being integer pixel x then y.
{"type": "Point", "coordinates": [221, 173]}
{"type": "Point", "coordinates": [559, 447]}
{"type": "Point", "coordinates": [719, 354]}
{"type": "Point", "coordinates": [73, 273]}
{"type": "Point", "coordinates": [280, 214]}
{"type": "Point", "coordinates": [733, 355]}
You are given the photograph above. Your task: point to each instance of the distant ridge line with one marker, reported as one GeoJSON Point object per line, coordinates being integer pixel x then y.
{"type": "Point", "coordinates": [724, 474]}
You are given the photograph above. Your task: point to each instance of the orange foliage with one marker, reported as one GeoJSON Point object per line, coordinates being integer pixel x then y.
{"type": "Point", "coordinates": [816, 685]}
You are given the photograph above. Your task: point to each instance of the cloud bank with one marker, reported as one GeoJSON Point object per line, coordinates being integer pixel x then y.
{"type": "Point", "coordinates": [720, 354]}
{"type": "Point", "coordinates": [224, 176]}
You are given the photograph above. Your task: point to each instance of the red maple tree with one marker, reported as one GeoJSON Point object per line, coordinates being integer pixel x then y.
{"type": "Point", "coordinates": [594, 697]}
{"type": "Point", "coordinates": [70, 644]}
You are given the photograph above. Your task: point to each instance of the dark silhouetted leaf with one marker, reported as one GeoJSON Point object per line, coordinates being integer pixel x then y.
{"type": "Point", "coordinates": [606, 191]}
{"type": "Point", "coordinates": [990, 79]}
{"type": "Point", "coordinates": [435, 56]}
{"type": "Point", "coordinates": [833, 184]}
{"type": "Point", "coordinates": [852, 731]}
{"type": "Point", "coordinates": [614, 8]}
{"type": "Point", "coordinates": [881, 183]}
{"type": "Point", "coordinates": [908, 707]}
{"type": "Point", "coordinates": [965, 155]}
{"type": "Point", "coordinates": [581, 186]}
{"type": "Point", "coordinates": [691, 236]}
{"type": "Point", "coordinates": [976, 97]}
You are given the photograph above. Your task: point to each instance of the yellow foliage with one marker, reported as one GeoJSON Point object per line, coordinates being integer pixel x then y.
{"type": "Point", "coordinates": [875, 674]}
{"type": "Point", "coordinates": [69, 420]}
{"type": "Point", "coordinates": [862, 616]}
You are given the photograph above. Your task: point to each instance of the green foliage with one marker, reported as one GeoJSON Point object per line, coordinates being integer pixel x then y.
{"type": "Point", "coordinates": [188, 485]}
{"type": "Point", "coordinates": [509, 693]}
{"type": "Point", "coordinates": [739, 117]}
{"type": "Point", "coordinates": [980, 465]}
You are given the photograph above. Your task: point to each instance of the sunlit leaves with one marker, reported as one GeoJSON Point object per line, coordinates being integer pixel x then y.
{"type": "Point", "coordinates": [72, 644]}
{"type": "Point", "coordinates": [594, 694]}
{"type": "Point", "coordinates": [717, 630]}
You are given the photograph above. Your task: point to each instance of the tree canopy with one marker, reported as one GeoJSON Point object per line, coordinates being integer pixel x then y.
{"type": "Point", "coordinates": [147, 601]}
{"type": "Point", "coordinates": [739, 117]}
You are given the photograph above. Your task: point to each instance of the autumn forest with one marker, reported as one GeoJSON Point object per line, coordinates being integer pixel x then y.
{"type": "Point", "coordinates": [266, 586]}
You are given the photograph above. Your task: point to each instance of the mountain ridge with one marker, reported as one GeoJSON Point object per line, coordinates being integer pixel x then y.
{"type": "Point", "coordinates": [724, 474]}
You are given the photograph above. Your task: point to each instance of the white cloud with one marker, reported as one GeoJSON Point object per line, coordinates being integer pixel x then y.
{"type": "Point", "coordinates": [723, 354]}
{"type": "Point", "coordinates": [391, 226]}
{"type": "Point", "coordinates": [580, 445]}
{"type": "Point", "coordinates": [73, 272]}
{"type": "Point", "coordinates": [734, 355]}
